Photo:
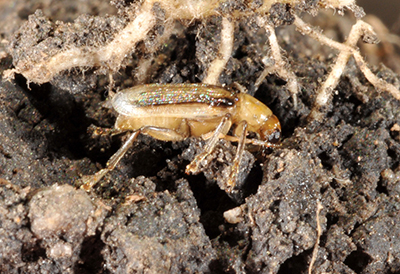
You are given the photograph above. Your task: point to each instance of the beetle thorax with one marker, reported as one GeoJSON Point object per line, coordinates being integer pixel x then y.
{"type": "Point", "coordinates": [252, 111]}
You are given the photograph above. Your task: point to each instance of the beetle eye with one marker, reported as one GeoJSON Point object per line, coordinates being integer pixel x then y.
{"type": "Point", "coordinates": [275, 136]}
{"type": "Point", "coordinates": [271, 130]}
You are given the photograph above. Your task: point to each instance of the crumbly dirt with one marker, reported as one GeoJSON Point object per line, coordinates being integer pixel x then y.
{"type": "Point", "coordinates": [148, 216]}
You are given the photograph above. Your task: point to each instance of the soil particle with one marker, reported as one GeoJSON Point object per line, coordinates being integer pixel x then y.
{"type": "Point", "coordinates": [281, 215]}
{"type": "Point", "coordinates": [162, 234]}
{"type": "Point", "coordinates": [61, 217]}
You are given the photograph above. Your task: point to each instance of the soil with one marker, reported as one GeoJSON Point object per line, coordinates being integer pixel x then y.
{"type": "Point", "coordinates": [148, 216]}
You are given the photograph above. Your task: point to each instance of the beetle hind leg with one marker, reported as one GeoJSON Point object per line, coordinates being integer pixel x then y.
{"type": "Point", "coordinates": [90, 181]}
{"type": "Point", "coordinates": [163, 134]}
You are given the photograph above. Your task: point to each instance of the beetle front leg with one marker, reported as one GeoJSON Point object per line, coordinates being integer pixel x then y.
{"type": "Point", "coordinates": [91, 180]}
{"type": "Point", "coordinates": [219, 133]}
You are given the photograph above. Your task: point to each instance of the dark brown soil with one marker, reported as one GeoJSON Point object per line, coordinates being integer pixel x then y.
{"type": "Point", "coordinates": [148, 216]}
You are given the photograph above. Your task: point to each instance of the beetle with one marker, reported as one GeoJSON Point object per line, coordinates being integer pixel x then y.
{"type": "Point", "coordinates": [174, 112]}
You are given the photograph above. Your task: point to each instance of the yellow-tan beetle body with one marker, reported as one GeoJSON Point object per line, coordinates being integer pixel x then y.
{"type": "Point", "coordinates": [173, 112]}
{"type": "Point", "coordinates": [191, 109]}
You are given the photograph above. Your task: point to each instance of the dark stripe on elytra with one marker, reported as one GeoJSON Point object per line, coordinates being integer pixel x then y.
{"type": "Point", "coordinates": [216, 102]}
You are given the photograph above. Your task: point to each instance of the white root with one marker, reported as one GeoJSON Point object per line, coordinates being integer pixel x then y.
{"type": "Point", "coordinates": [346, 50]}
{"type": "Point", "coordinates": [110, 55]}
{"type": "Point", "coordinates": [280, 67]}
{"type": "Point", "coordinates": [319, 233]}
{"type": "Point", "coordinates": [225, 52]}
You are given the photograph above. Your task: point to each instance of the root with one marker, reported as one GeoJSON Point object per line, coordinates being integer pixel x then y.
{"type": "Point", "coordinates": [319, 233]}
{"type": "Point", "coordinates": [146, 64]}
{"type": "Point", "coordinates": [280, 67]}
{"type": "Point", "coordinates": [225, 52]}
{"type": "Point", "coordinates": [347, 49]}
{"type": "Point", "coordinates": [109, 56]}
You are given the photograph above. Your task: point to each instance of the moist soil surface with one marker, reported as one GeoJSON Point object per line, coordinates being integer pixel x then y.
{"type": "Point", "coordinates": [148, 216]}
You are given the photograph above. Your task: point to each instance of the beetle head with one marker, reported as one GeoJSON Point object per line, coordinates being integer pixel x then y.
{"type": "Point", "coordinates": [270, 131]}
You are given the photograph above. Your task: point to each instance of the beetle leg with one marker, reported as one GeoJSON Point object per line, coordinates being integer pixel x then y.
{"type": "Point", "coordinates": [219, 133]}
{"type": "Point", "coordinates": [255, 142]}
{"type": "Point", "coordinates": [99, 131]}
{"type": "Point", "coordinates": [262, 143]}
{"type": "Point", "coordinates": [242, 130]}
{"type": "Point", "coordinates": [165, 134]}
{"type": "Point", "coordinates": [91, 180]}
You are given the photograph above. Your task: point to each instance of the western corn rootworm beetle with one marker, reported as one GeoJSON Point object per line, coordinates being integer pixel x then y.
{"type": "Point", "coordinates": [173, 112]}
